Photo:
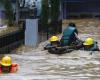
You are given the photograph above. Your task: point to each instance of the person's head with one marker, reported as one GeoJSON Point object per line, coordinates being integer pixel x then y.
{"type": "Point", "coordinates": [72, 24]}
{"type": "Point", "coordinates": [88, 42]}
{"type": "Point", "coordinates": [6, 63]}
{"type": "Point", "coordinates": [54, 40]}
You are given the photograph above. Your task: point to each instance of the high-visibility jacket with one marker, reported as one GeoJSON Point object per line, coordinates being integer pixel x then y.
{"type": "Point", "coordinates": [68, 36]}
{"type": "Point", "coordinates": [14, 68]}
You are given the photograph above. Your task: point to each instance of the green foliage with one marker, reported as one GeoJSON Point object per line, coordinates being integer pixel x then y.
{"type": "Point", "coordinates": [8, 11]}
{"type": "Point", "coordinates": [44, 14]}
{"type": "Point", "coordinates": [55, 13]}
{"type": "Point", "coordinates": [55, 4]}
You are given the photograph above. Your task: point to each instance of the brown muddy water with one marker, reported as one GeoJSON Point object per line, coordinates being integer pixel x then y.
{"type": "Point", "coordinates": [37, 64]}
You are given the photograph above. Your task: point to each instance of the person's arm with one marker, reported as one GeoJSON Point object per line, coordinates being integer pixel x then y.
{"type": "Point", "coordinates": [47, 46]}
{"type": "Point", "coordinates": [95, 47]}
{"type": "Point", "coordinates": [76, 35]}
{"type": "Point", "coordinates": [14, 68]}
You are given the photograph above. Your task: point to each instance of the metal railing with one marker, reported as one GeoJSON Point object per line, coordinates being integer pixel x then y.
{"type": "Point", "coordinates": [10, 41]}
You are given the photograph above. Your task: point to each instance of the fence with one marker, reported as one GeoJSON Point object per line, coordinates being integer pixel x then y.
{"type": "Point", "coordinates": [10, 41]}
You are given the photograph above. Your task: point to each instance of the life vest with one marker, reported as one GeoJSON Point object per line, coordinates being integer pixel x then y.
{"type": "Point", "coordinates": [14, 68]}
{"type": "Point", "coordinates": [67, 35]}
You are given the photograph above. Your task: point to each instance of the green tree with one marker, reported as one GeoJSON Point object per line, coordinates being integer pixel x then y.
{"type": "Point", "coordinates": [44, 15]}
{"type": "Point", "coordinates": [56, 24]}
{"type": "Point", "coordinates": [55, 5]}
{"type": "Point", "coordinates": [8, 11]}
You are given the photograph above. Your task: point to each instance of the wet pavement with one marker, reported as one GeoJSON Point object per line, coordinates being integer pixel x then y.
{"type": "Point", "coordinates": [37, 64]}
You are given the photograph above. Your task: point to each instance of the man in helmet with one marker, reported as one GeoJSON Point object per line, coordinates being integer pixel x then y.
{"type": "Point", "coordinates": [70, 35]}
{"type": "Point", "coordinates": [89, 45]}
{"type": "Point", "coordinates": [73, 25]}
{"type": "Point", "coordinates": [54, 42]}
{"type": "Point", "coordinates": [6, 65]}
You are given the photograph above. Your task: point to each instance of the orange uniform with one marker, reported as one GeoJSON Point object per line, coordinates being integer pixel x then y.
{"type": "Point", "coordinates": [14, 68]}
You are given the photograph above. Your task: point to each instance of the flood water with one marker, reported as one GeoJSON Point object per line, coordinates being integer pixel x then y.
{"type": "Point", "coordinates": [38, 64]}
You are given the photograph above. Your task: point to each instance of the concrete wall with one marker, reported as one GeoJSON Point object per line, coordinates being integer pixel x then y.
{"type": "Point", "coordinates": [31, 32]}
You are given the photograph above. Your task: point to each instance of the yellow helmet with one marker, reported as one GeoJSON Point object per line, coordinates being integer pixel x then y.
{"type": "Point", "coordinates": [54, 38]}
{"type": "Point", "coordinates": [89, 41]}
{"type": "Point", "coordinates": [6, 61]}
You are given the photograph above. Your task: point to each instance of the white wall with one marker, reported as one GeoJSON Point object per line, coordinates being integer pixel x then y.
{"type": "Point", "coordinates": [31, 32]}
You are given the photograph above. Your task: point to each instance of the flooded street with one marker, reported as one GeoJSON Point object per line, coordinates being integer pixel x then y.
{"type": "Point", "coordinates": [37, 64]}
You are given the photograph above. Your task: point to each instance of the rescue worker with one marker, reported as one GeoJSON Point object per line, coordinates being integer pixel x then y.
{"type": "Point", "coordinates": [6, 65]}
{"type": "Point", "coordinates": [73, 25]}
{"type": "Point", "coordinates": [54, 42]}
{"type": "Point", "coordinates": [89, 45]}
{"type": "Point", "coordinates": [55, 46]}
{"type": "Point", "coordinates": [70, 35]}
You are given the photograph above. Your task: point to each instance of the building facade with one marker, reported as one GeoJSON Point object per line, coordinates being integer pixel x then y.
{"type": "Point", "coordinates": [80, 8]}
